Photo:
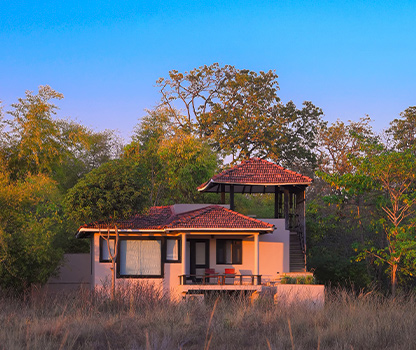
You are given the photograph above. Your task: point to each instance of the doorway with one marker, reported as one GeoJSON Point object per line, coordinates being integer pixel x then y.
{"type": "Point", "coordinates": [199, 257]}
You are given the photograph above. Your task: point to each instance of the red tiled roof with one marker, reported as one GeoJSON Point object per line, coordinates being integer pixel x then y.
{"type": "Point", "coordinates": [155, 219]}
{"type": "Point", "coordinates": [260, 172]}
{"type": "Point", "coordinates": [210, 217]}
{"type": "Point", "coordinates": [215, 217]}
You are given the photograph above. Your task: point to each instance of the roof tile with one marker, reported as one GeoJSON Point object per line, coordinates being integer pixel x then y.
{"type": "Point", "coordinates": [258, 171]}
{"type": "Point", "coordinates": [163, 218]}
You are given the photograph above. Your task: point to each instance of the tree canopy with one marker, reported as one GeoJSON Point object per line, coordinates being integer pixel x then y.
{"type": "Point", "coordinates": [240, 114]}
{"type": "Point", "coordinates": [176, 162]}
{"type": "Point", "coordinates": [29, 216]}
{"type": "Point", "coordinates": [117, 189]}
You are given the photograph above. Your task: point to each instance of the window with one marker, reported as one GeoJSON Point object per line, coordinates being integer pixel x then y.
{"type": "Point", "coordinates": [229, 251]}
{"type": "Point", "coordinates": [172, 250]}
{"type": "Point", "coordinates": [104, 256]}
{"type": "Point", "coordinates": [140, 258]}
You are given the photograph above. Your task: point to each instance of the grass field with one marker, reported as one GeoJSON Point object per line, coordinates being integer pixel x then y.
{"type": "Point", "coordinates": [144, 319]}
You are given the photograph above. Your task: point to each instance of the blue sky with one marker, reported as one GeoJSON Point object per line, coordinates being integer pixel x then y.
{"type": "Point", "coordinates": [351, 58]}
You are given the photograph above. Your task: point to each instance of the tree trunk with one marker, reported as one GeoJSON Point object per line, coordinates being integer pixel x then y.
{"type": "Point", "coordinates": [393, 280]}
{"type": "Point", "coordinates": [113, 279]}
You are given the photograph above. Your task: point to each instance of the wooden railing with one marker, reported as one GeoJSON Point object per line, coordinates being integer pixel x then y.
{"type": "Point", "coordinates": [219, 279]}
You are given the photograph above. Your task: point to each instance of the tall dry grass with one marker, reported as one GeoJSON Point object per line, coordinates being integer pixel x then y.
{"type": "Point", "coordinates": [143, 318]}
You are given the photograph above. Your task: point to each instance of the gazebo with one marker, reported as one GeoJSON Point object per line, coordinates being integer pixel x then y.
{"type": "Point", "coordinates": [261, 176]}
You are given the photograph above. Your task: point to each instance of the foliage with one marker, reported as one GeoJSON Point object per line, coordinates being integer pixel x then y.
{"type": "Point", "coordinates": [298, 280]}
{"type": "Point", "coordinates": [117, 189]}
{"type": "Point", "coordinates": [37, 143]}
{"type": "Point", "coordinates": [29, 216]}
{"type": "Point", "coordinates": [394, 175]}
{"type": "Point", "coordinates": [333, 229]}
{"type": "Point", "coordinates": [338, 142]}
{"type": "Point", "coordinates": [260, 205]}
{"type": "Point", "coordinates": [240, 114]}
{"type": "Point", "coordinates": [403, 130]}
{"type": "Point", "coordinates": [390, 177]}
{"type": "Point", "coordinates": [176, 162]}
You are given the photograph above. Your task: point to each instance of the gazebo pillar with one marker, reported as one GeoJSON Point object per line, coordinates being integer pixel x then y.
{"type": "Point", "coordinates": [256, 256]}
{"type": "Point", "coordinates": [222, 194]}
{"type": "Point", "coordinates": [276, 202]}
{"type": "Point", "coordinates": [232, 207]}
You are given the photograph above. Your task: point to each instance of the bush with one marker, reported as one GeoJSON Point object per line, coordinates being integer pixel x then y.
{"type": "Point", "coordinates": [298, 280]}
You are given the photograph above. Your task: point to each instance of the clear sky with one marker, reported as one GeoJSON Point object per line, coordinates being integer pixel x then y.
{"type": "Point", "coordinates": [350, 58]}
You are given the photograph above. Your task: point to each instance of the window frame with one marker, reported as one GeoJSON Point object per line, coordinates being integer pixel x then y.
{"type": "Point", "coordinates": [223, 241]}
{"type": "Point", "coordinates": [102, 240]}
{"type": "Point", "coordinates": [179, 250]}
{"type": "Point", "coordinates": [162, 253]}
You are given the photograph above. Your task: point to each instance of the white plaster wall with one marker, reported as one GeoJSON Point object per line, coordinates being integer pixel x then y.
{"type": "Point", "coordinates": [307, 294]}
{"type": "Point", "coordinates": [102, 274]}
{"type": "Point", "coordinates": [271, 257]}
{"type": "Point", "coordinates": [281, 235]}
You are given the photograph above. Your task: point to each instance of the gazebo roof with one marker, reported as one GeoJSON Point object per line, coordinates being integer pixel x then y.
{"type": "Point", "coordinates": [254, 176]}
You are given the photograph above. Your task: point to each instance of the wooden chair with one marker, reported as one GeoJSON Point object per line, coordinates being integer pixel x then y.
{"type": "Point", "coordinates": [210, 273]}
{"type": "Point", "coordinates": [229, 274]}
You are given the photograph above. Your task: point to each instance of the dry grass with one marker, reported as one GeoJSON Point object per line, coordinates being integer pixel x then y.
{"type": "Point", "coordinates": [142, 318]}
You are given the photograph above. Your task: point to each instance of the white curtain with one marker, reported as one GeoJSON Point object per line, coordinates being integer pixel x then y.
{"type": "Point", "coordinates": [140, 257]}
{"type": "Point", "coordinates": [104, 249]}
{"type": "Point", "coordinates": [172, 250]}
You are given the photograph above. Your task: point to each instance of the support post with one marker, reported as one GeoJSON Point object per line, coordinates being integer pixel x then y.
{"type": "Point", "coordinates": [232, 207]}
{"type": "Point", "coordinates": [276, 202]}
{"type": "Point", "coordinates": [256, 256]}
{"type": "Point", "coordinates": [183, 267]}
{"type": "Point", "coordinates": [222, 194]}
{"type": "Point", "coordinates": [286, 208]}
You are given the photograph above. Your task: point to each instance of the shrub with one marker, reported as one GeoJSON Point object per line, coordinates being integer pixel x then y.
{"type": "Point", "coordinates": [298, 280]}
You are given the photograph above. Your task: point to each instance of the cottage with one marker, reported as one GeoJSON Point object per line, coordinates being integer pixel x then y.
{"type": "Point", "coordinates": [191, 248]}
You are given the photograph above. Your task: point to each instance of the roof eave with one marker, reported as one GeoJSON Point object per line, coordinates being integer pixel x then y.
{"type": "Point", "coordinates": [212, 183]}
{"type": "Point", "coordinates": [219, 230]}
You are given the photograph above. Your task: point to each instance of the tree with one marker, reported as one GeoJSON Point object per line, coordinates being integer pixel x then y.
{"type": "Point", "coordinates": [394, 175]}
{"type": "Point", "coordinates": [403, 130]}
{"type": "Point", "coordinates": [339, 141]}
{"type": "Point", "coordinates": [391, 177]}
{"type": "Point", "coordinates": [33, 137]}
{"type": "Point", "coordinates": [84, 150]}
{"type": "Point", "coordinates": [36, 142]}
{"type": "Point", "coordinates": [29, 216]}
{"type": "Point", "coordinates": [239, 113]}
{"type": "Point", "coordinates": [176, 162]}
{"type": "Point", "coordinates": [114, 191]}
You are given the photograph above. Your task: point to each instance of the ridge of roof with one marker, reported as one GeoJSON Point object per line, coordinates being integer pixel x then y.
{"type": "Point", "coordinates": [198, 214]}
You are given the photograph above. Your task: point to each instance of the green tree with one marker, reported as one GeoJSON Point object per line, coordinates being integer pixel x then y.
{"type": "Point", "coordinates": [390, 177]}
{"type": "Point", "coordinates": [394, 175]}
{"type": "Point", "coordinates": [84, 150]}
{"type": "Point", "coordinates": [403, 130]}
{"type": "Point", "coordinates": [240, 114]}
{"type": "Point", "coordinates": [33, 144]}
{"type": "Point", "coordinates": [29, 216]}
{"type": "Point", "coordinates": [116, 190]}
{"type": "Point", "coordinates": [177, 162]}
{"type": "Point", "coordinates": [36, 142]}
